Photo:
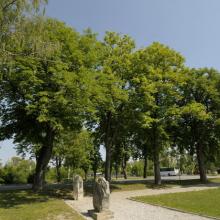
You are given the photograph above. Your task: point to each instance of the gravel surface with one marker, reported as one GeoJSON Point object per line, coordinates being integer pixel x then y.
{"type": "Point", "coordinates": [125, 209]}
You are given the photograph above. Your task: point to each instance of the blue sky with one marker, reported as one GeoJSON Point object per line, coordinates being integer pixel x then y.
{"type": "Point", "coordinates": [191, 27]}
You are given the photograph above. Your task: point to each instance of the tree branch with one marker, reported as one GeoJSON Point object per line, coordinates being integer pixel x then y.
{"type": "Point", "coordinates": [8, 5]}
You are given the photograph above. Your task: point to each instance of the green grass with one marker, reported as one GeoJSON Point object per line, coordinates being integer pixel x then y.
{"type": "Point", "coordinates": [148, 184]}
{"type": "Point", "coordinates": [215, 180]}
{"type": "Point", "coordinates": [26, 205]}
{"type": "Point", "coordinates": [189, 182]}
{"type": "Point", "coordinates": [204, 202]}
{"type": "Point", "coordinates": [130, 186]}
{"type": "Point", "coordinates": [65, 190]}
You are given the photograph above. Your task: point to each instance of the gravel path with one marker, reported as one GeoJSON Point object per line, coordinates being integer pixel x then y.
{"type": "Point", "coordinates": [125, 209]}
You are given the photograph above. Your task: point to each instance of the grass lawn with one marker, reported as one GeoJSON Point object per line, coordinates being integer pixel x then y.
{"type": "Point", "coordinates": [205, 202]}
{"type": "Point", "coordinates": [65, 190]}
{"type": "Point", "coordinates": [117, 187]}
{"type": "Point", "coordinates": [146, 184]}
{"type": "Point", "coordinates": [26, 205]}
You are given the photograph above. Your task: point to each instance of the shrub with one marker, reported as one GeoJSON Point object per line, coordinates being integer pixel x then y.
{"type": "Point", "coordinates": [16, 171]}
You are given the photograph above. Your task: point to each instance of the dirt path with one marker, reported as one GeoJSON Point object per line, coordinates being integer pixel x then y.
{"type": "Point", "coordinates": [125, 209]}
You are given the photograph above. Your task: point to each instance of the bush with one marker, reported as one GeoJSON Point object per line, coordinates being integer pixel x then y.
{"type": "Point", "coordinates": [10, 176]}
{"type": "Point", "coordinates": [16, 171]}
{"type": "Point", "coordinates": [51, 174]}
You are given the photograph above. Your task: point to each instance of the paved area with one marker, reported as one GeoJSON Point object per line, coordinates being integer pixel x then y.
{"type": "Point", "coordinates": [125, 209]}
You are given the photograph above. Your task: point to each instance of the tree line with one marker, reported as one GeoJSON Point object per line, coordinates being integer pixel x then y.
{"type": "Point", "coordinates": [58, 86]}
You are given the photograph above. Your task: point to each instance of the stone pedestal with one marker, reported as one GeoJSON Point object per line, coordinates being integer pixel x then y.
{"type": "Point", "coordinates": [77, 187]}
{"type": "Point", "coordinates": [104, 215]}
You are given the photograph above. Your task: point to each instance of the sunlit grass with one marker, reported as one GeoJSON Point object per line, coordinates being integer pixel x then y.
{"type": "Point", "coordinates": [26, 205]}
{"type": "Point", "coordinates": [204, 202]}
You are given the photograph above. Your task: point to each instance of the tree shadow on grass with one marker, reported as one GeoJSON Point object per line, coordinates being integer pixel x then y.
{"type": "Point", "coordinates": [11, 199]}
{"type": "Point", "coordinates": [59, 191]}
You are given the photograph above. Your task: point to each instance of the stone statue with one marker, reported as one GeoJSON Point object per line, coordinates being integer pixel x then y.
{"type": "Point", "coordinates": [77, 187]}
{"type": "Point", "coordinates": [101, 195]}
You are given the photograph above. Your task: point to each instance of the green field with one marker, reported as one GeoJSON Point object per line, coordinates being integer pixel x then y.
{"type": "Point", "coordinates": [25, 205]}
{"type": "Point", "coordinates": [205, 202]}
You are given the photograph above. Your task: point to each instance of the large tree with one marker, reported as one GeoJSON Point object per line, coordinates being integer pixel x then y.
{"type": "Point", "coordinates": [157, 71]}
{"type": "Point", "coordinates": [113, 78]}
{"type": "Point", "coordinates": [45, 95]}
{"type": "Point", "coordinates": [199, 116]}
{"type": "Point", "coordinates": [75, 149]}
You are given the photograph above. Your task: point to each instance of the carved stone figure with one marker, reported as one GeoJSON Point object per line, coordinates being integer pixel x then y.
{"type": "Point", "coordinates": [77, 187]}
{"type": "Point", "coordinates": [101, 195]}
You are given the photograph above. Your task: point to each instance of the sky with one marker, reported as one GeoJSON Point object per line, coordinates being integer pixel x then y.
{"type": "Point", "coordinates": [192, 27]}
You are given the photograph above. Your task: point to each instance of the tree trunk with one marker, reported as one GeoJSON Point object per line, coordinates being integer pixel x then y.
{"type": "Point", "coordinates": [116, 171]}
{"type": "Point", "coordinates": [157, 177]}
{"type": "Point", "coordinates": [68, 174]}
{"type": "Point", "coordinates": [145, 164]}
{"type": "Point", "coordinates": [156, 151]}
{"type": "Point", "coordinates": [111, 171]}
{"type": "Point", "coordinates": [86, 174]}
{"type": "Point", "coordinates": [94, 169]}
{"type": "Point", "coordinates": [108, 163]}
{"type": "Point", "coordinates": [201, 163]}
{"type": "Point", "coordinates": [94, 173]}
{"type": "Point", "coordinates": [42, 161]}
{"type": "Point", "coordinates": [108, 146]}
{"type": "Point", "coordinates": [58, 167]}
{"type": "Point", "coordinates": [124, 168]}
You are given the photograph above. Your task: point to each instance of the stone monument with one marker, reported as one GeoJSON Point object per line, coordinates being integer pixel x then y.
{"type": "Point", "coordinates": [77, 187]}
{"type": "Point", "coordinates": [101, 196]}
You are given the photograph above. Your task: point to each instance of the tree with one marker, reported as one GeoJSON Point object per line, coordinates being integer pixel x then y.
{"type": "Point", "coordinates": [199, 111]}
{"type": "Point", "coordinates": [57, 99]}
{"type": "Point", "coordinates": [157, 70]}
{"type": "Point", "coordinates": [95, 157]}
{"type": "Point", "coordinates": [122, 148]}
{"type": "Point", "coordinates": [114, 67]}
{"type": "Point", "coordinates": [141, 145]}
{"type": "Point", "coordinates": [12, 18]}
{"type": "Point", "coordinates": [79, 150]}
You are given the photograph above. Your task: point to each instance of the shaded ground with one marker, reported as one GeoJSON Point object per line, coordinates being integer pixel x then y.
{"type": "Point", "coordinates": [26, 205]}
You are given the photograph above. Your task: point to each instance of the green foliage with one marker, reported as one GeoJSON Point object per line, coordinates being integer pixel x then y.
{"type": "Point", "coordinates": [51, 174]}
{"type": "Point", "coordinates": [16, 170]}
{"type": "Point", "coordinates": [58, 97]}
{"type": "Point", "coordinates": [200, 112]}
{"type": "Point", "coordinates": [156, 75]}
{"type": "Point", "coordinates": [155, 79]}
{"type": "Point", "coordinates": [137, 168]}
{"type": "Point", "coordinates": [78, 149]}
{"type": "Point", "coordinates": [56, 84]}
{"type": "Point", "coordinates": [13, 26]}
